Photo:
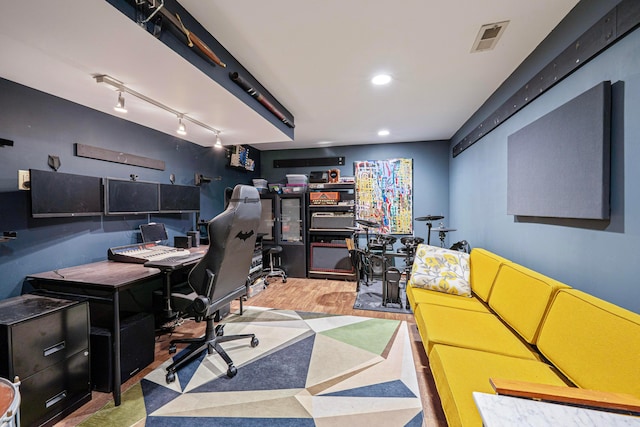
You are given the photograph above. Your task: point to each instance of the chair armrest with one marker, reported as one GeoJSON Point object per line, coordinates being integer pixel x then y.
{"type": "Point", "coordinates": [619, 402]}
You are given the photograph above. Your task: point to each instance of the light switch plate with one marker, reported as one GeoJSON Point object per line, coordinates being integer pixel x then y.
{"type": "Point", "coordinates": [23, 180]}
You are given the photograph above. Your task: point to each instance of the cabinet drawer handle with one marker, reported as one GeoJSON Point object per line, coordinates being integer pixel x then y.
{"type": "Point", "coordinates": [55, 399]}
{"type": "Point", "coordinates": [54, 348]}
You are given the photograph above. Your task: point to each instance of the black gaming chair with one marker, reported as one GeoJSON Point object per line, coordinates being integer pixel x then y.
{"type": "Point", "coordinates": [220, 277]}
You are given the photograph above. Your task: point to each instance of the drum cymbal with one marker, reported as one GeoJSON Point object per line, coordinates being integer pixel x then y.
{"type": "Point", "coordinates": [444, 230]}
{"type": "Point", "coordinates": [429, 218]}
{"type": "Point", "coordinates": [367, 223]}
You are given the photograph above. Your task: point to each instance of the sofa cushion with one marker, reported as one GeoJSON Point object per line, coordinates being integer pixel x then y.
{"type": "Point", "coordinates": [594, 343]}
{"type": "Point", "coordinates": [468, 329]}
{"type": "Point", "coordinates": [441, 270]}
{"type": "Point", "coordinates": [458, 372]}
{"type": "Point", "coordinates": [484, 268]}
{"type": "Point", "coordinates": [520, 296]}
{"type": "Point", "coordinates": [423, 296]}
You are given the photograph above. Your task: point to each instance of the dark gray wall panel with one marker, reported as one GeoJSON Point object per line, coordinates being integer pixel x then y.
{"type": "Point", "coordinates": [558, 166]}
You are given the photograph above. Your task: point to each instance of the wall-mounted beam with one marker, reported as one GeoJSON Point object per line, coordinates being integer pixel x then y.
{"type": "Point", "coordinates": [616, 24]}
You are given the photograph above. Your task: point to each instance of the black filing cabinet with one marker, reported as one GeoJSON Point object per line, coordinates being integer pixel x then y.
{"type": "Point", "coordinates": [45, 342]}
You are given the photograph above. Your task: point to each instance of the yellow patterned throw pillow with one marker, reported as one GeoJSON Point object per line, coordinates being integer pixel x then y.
{"type": "Point", "coordinates": [441, 270]}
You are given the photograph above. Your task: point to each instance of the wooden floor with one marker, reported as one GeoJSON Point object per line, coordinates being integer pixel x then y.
{"type": "Point", "coordinates": [325, 296]}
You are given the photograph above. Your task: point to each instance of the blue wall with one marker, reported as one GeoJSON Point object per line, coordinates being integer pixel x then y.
{"type": "Point", "coordinates": [430, 171]}
{"type": "Point", "coordinates": [599, 257]}
{"type": "Point", "coordinates": [41, 124]}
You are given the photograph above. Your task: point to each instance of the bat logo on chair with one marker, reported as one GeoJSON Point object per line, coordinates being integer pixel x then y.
{"type": "Point", "coordinates": [244, 236]}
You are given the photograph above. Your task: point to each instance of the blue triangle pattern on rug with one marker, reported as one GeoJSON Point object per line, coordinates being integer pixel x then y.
{"type": "Point", "coordinates": [185, 373]}
{"type": "Point", "coordinates": [416, 421]}
{"type": "Point", "coordinates": [156, 395]}
{"type": "Point", "coordinates": [394, 388]}
{"type": "Point", "coordinates": [227, 422]}
{"type": "Point", "coordinates": [284, 369]}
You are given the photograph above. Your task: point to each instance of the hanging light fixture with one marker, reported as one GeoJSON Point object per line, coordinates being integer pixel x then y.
{"type": "Point", "coordinates": [120, 108]}
{"type": "Point", "coordinates": [218, 143]}
{"type": "Point", "coordinates": [182, 129]}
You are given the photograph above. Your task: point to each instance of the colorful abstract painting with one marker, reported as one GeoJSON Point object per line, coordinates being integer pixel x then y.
{"type": "Point", "coordinates": [384, 194]}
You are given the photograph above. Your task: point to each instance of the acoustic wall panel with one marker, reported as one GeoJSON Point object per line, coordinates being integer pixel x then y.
{"type": "Point", "coordinates": [559, 165]}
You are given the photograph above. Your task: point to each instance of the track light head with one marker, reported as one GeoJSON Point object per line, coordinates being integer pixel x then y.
{"type": "Point", "coordinates": [182, 129]}
{"type": "Point", "coordinates": [120, 108]}
{"type": "Point", "coordinates": [218, 143]}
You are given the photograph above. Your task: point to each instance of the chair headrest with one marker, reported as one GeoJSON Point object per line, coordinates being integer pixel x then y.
{"type": "Point", "coordinates": [244, 194]}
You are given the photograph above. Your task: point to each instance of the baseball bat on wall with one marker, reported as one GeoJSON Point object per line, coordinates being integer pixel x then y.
{"type": "Point", "coordinates": [260, 98]}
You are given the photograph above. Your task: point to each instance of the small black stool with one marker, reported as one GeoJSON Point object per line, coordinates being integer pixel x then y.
{"type": "Point", "coordinates": [273, 271]}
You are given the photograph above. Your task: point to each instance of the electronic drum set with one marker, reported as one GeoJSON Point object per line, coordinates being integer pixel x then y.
{"type": "Point", "coordinates": [373, 260]}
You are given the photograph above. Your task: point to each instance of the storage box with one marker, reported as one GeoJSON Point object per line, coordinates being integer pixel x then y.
{"type": "Point", "coordinates": [296, 179]}
{"type": "Point", "coordinates": [324, 198]}
{"type": "Point", "coordinates": [332, 220]}
{"type": "Point", "coordinates": [260, 183]}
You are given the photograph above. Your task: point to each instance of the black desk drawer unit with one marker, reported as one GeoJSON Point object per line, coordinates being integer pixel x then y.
{"type": "Point", "coordinates": [45, 341]}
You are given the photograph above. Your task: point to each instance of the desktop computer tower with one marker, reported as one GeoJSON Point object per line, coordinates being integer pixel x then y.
{"type": "Point", "coordinates": [137, 350]}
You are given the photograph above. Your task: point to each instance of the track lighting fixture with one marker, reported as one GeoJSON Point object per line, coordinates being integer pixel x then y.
{"type": "Point", "coordinates": [182, 129]}
{"type": "Point", "coordinates": [120, 108]}
{"type": "Point", "coordinates": [218, 143]}
{"type": "Point", "coordinates": [122, 89]}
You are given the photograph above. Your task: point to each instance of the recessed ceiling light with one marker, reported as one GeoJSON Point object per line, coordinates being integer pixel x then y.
{"type": "Point", "coordinates": [381, 79]}
{"type": "Point", "coordinates": [383, 132]}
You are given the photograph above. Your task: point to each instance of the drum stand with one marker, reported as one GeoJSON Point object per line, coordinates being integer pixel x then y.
{"type": "Point", "coordinates": [428, 219]}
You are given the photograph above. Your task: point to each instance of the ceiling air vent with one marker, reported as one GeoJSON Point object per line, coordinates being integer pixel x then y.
{"type": "Point", "coordinates": [488, 36]}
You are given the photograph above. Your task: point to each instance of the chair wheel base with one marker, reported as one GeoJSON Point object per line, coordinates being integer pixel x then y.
{"type": "Point", "coordinates": [171, 377]}
{"type": "Point", "coordinates": [254, 342]}
{"type": "Point", "coordinates": [172, 349]}
{"type": "Point", "coordinates": [232, 371]}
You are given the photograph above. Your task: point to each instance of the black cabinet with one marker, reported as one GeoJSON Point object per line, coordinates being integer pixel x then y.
{"type": "Point", "coordinates": [283, 224]}
{"type": "Point", "coordinates": [45, 342]}
{"type": "Point", "coordinates": [329, 214]}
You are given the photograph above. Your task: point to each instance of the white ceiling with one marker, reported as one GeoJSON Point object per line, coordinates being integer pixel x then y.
{"type": "Point", "coordinates": [316, 58]}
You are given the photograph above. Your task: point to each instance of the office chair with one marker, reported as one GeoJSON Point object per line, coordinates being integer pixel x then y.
{"type": "Point", "coordinates": [273, 270]}
{"type": "Point", "coordinates": [220, 277]}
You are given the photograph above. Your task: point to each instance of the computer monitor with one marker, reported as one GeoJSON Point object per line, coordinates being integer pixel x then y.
{"type": "Point", "coordinates": [153, 232]}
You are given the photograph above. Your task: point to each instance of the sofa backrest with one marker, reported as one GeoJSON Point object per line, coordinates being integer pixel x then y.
{"type": "Point", "coordinates": [484, 268]}
{"type": "Point", "coordinates": [521, 296]}
{"type": "Point", "coordinates": [594, 343]}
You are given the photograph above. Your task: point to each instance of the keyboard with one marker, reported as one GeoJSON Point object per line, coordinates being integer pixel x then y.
{"type": "Point", "coordinates": [175, 261]}
{"type": "Point", "coordinates": [140, 253]}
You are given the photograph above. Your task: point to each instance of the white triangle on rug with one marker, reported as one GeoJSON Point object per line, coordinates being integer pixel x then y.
{"type": "Point", "coordinates": [244, 404]}
{"type": "Point", "coordinates": [333, 406]}
{"type": "Point", "coordinates": [322, 324]}
{"type": "Point", "coordinates": [396, 417]}
{"type": "Point", "coordinates": [332, 359]}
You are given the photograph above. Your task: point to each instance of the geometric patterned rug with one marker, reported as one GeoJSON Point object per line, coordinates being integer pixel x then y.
{"type": "Point", "coordinates": [310, 369]}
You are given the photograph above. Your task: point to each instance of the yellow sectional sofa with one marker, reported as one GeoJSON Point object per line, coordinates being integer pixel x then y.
{"type": "Point", "coordinates": [521, 325]}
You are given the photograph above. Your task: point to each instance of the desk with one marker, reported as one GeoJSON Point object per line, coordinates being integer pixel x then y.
{"type": "Point", "coordinates": [102, 281]}
{"type": "Point", "coordinates": [497, 411]}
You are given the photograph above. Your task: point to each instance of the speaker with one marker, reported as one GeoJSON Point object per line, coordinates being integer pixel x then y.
{"type": "Point", "coordinates": [183, 242]}
{"type": "Point", "coordinates": [195, 238]}
{"type": "Point", "coordinates": [137, 350]}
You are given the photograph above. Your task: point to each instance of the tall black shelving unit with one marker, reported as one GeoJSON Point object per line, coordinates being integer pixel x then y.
{"type": "Point", "coordinates": [327, 254]}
